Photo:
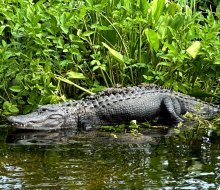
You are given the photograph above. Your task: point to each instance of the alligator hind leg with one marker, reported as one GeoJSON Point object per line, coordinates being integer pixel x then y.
{"type": "Point", "coordinates": [169, 106]}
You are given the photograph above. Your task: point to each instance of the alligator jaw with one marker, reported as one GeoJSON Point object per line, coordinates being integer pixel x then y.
{"type": "Point", "coordinates": [51, 122]}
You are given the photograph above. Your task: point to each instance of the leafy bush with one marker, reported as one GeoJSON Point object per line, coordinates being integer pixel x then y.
{"type": "Point", "coordinates": [53, 50]}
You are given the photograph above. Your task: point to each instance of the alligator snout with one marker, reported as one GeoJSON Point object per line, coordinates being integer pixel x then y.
{"type": "Point", "coordinates": [14, 120]}
{"type": "Point", "coordinates": [11, 119]}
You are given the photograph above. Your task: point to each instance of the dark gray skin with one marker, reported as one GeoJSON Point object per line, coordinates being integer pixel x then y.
{"type": "Point", "coordinates": [115, 106]}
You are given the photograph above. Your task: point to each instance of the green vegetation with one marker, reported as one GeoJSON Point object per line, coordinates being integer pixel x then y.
{"type": "Point", "coordinates": [54, 50]}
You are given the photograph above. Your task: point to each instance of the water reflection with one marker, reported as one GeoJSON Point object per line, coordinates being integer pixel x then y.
{"type": "Point", "coordinates": [64, 160]}
{"type": "Point", "coordinates": [30, 137]}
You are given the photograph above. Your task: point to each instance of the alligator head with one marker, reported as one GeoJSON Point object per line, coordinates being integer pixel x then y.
{"type": "Point", "coordinates": [48, 117]}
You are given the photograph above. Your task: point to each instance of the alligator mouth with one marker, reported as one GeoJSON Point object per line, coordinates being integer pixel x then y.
{"type": "Point", "coordinates": [51, 122]}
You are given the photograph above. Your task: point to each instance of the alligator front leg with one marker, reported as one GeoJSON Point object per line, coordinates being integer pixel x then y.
{"type": "Point", "coordinates": [169, 106]}
{"type": "Point", "coordinates": [87, 122]}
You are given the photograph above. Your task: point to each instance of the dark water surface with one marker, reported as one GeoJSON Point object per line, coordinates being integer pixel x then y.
{"type": "Point", "coordinates": [64, 160]}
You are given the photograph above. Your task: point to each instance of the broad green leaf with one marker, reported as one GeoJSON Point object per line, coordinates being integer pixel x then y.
{"type": "Point", "coordinates": [148, 78]}
{"type": "Point", "coordinates": [87, 33]}
{"type": "Point", "coordinates": [74, 51]}
{"type": "Point", "coordinates": [172, 31]}
{"type": "Point", "coordinates": [16, 88]}
{"type": "Point", "coordinates": [8, 15]}
{"type": "Point", "coordinates": [33, 98]}
{"type": "Point", "coordinates": [168, 64]}
{"type": "Point", "coordinates": [95, 67]}
{"type": "Point", "coordinates": [13, 109]}
{"type": "Point", "coordinates": [63, 25]}
{"type": "Point", "coordinates": [162, 30]}
{"type": "Point", "coordinates": [217, 61]}
{"type": "Point", "coordinates": [2, 29]}
{"type": "Point", "coordinates": [51, 99]}
{"type": "Point", "coordinates": [82, 12]}
{"type": "Point", "coordinates": [89, 2]}
{"type": "Point", "coordinates": [103, 67]}
{"type": "Point", "coordinates": [30, 14]}
{"type": "Point", "coordinates": [173, 8]}
{"type": "Point", "coordinates": [9, 107]}
{"type": "Point", "coordinates": [8, 54]}
{"type": "Point", "coordinates": [193, 50]}
{"type": "Point", "coordinates": [64, 63]}
{"type": "Point", "coordinates": [218, 8]}
{"type": "Point", "coordinates": [40, 2]}
{"type": "Point", "coordinates": [117, 55]}
{"type": "Point", "coordinates": [152, 39]}
{"type": "Point", "coordinates": [28, 108]}
{"type": "Point", "coordinates": [75, 75]}
{"type": "Point", "coordinates": [75, 39]}
{"type": "Point", "coordinates": [178, 22]}
{"type": "Point", "coordinates": [6, 105]}
{"type": "Point", "coordinates": [157, 7]}
{"type": "Point", "coordinates": [4, 44]}
{"type": "Point", "coordinates": [144, 5]}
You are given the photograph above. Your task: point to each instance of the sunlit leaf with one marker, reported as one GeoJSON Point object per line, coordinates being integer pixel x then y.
{"type": "Point", "coordinates": [152, 39]}
{"type": "Point", "coordinates": [6, 105]}
{"type": "Point", "coordinates": [9, 107]}
{"type": "Point", "coordinates": [168, 64]}
{"type": "Point", "coordinates": [75, 39]}
{"type": "Point", "coordinates": [16, 88]}
{"type": "Point", "coordinates": [82, 12]}
{"type": "Point", "coordinates": [74, 51]}
{"type": "Point", "coordinates": [157, 7]}
{"type": "Point", "coordinates": [2, 29]}
{"type": "Point", "coordinates": [193, 50]}
{"type": "Point", "coordinates": [75, 75]}
{"type": "Point", "coordinates": [87, 33]}
{"type": "Point", "coordinates": [148, 78]}
{"type": "Point", "coordinates": [144, 5]}
{"type": "Point", "coordinates": [173, 8]}
{"type": "Point", "coordinates": [117, 55]}
{"type": "Point", "coordinates": [217, 61]}
{"type": "Point", "coordinates": [63, 25]}
{"type": "Point", "coordinates": [30, 13]}
{"type": "Point", "coordinates": [95, 67]}
{"type": "Point", "coordinates": [13, 109]}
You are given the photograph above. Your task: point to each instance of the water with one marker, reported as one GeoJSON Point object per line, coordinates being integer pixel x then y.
{"type": "Point", "coordinates": [64, 160]}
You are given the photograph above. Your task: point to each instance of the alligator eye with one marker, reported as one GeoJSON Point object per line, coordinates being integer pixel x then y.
{"type": "Point", "coordinates": [41, 110]}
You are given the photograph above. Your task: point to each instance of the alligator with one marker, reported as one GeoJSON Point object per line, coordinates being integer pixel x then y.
{"type": "Point", "coordinates": [115, 106]}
